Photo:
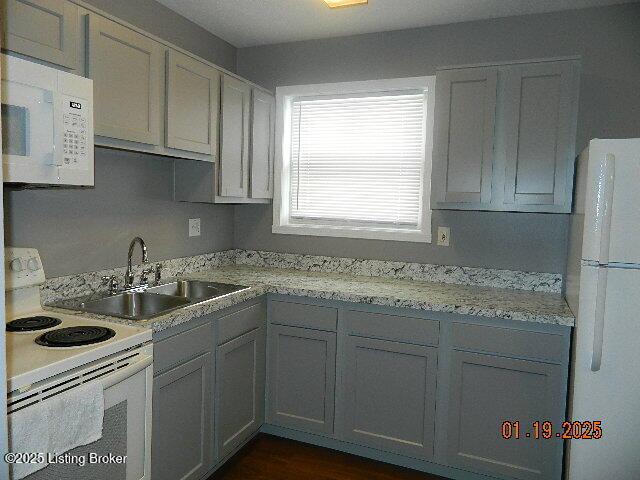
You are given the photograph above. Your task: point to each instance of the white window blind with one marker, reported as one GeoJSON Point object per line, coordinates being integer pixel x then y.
{"type": "Point", "coordinates": [358, 159]}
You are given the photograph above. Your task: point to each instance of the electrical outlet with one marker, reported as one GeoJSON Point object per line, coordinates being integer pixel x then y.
{"type": "Point", "coordinates": [194, 227]}
{"type": "Point", "coordinates": [444, 236]}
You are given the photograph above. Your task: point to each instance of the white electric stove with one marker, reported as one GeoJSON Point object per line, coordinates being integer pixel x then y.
{"type": "Point", "coordinates": [49, 353]}
{"type": "Point", "coordinates": [42, 343]}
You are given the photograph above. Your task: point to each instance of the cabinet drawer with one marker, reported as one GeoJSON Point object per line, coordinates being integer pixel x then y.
{"type": "Point", "coordinates": [182, 347]}
{"type": "Point", "coordinates": [301, 315]}
{"type": "Point", "coordinates": [240, 322]}
{"type": "Point", "coordinates": [509, 342]}
{"type": "Point", "coordinates": [419, 331]}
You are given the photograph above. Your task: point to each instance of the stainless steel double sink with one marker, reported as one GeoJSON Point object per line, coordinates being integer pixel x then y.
{"type": "Point", "coordinates": [145, 303]}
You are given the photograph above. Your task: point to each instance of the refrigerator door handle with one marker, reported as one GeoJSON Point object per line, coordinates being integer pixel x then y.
{"type": "Point", "coordinates": [605, 204]}
{"type": "Point", "coordinates": [598, 326]}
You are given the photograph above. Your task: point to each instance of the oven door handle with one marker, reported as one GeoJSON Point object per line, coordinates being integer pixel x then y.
{"type": "Point", "coordinates": [128, 371]}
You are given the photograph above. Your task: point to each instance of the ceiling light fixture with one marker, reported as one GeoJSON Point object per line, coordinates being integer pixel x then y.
{"type": "Point", "coordinates": [345, 3]}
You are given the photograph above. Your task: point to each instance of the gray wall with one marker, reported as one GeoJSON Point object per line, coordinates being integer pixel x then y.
{"type": "Point", "coordinates": [163, 22]}
{"type": "Point", "coordinates": [608, 39]}
{"type": "Point", "coordinates": [79, 230]}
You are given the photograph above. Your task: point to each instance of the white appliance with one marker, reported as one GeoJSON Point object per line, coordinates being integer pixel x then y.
{"type": "Point", "coordinates": [47, 125]}
{"type": "Point", "coordinates": [42, 363]}
{"type": "Point", "coordinates": [603, 290]}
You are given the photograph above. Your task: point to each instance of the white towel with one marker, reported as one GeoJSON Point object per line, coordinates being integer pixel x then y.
{"type": "Point", "coordinates": [56, 425]}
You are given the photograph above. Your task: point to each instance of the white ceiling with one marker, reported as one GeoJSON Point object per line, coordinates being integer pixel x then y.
{"type": "Point", "coordinates": [245, 23]}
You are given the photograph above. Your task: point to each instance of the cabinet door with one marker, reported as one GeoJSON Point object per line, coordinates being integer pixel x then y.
{"type": "Point", "coordinates": [389, 396]}
{"type": "Point", "coordinates": [182, 447]}
{"type": "Point", "coordinates": [192, 104]}
{"type": "Point", "coordinates": [234, 137]}
{"type": "Point", "coordinates": [126, 70]}
{"type": "Point", "coordinates": [301, 383]}
{"type": "Point", "coordinates": [540, 122]}
{"type": "Point", "coordinates": [240, 385]}
{"type": "Point", "coordinates": [464, 137]}
{"type": "Point", "coordinates": [263, 110]}
{"type": "Point", "coordinates": [488, 390]}
{"type": "Point", "coordinates": [43, 29]}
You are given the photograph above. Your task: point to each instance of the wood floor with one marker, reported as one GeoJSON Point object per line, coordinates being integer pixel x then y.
{"type": "Point", "coordinates": [272, 458]}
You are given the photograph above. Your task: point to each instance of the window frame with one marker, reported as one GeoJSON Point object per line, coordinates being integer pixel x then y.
{"type": "Point", "coordinates": [282, 222]}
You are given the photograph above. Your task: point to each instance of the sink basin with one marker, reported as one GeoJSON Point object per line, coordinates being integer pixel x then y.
{"type": "Point", "coordinates": [195, 289]}
{"type": "Point", "coordinates": [134, 305]}
{"type": "Point", "coordinates": [147, 302]}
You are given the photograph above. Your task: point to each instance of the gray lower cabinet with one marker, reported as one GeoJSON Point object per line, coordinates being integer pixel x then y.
{"type": "Point", "coordinates": [126, 68]}
{"type": "Point", "coordinates": [43, 29]}
{"type": "Point", "coordinates": [487, 390]}
{"type": "Point", "coordinates": [389, 396]}
{"type": "Point", "coordinates": [182, 438]}
{"type": "Point", "coordinates": [240, 390]}
{"type": "Point", "coordinates": [301, 373]}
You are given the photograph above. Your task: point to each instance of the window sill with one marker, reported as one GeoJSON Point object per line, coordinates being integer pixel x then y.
{"type": "Point", "coordinates": [354, 232]}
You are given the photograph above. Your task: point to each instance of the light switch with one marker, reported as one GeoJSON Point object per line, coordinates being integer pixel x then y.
{"type": "Point", "coordinates": [194, 227]}
{"type": "Point", "coordinates": [444, 236]}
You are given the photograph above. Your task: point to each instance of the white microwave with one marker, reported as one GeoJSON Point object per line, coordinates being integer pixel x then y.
{"type": "Point", "coordinates": [47, 125]}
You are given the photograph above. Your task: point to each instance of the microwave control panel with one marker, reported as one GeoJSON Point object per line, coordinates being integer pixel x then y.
{"type": "Point", "coordinates": [75, 132]}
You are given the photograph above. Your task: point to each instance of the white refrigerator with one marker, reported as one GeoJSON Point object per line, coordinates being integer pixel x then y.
{"type": "Point", "coordinates": [603, 291]}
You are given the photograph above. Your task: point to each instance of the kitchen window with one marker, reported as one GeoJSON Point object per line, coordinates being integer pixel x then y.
{"type": "Point", "coordinates": [354, 159]}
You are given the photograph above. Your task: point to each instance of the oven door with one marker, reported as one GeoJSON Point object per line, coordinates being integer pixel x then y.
{"type": "Point", "coordinates": [28, 122]}
{"type": "Point", "coordinates": [126, 428]}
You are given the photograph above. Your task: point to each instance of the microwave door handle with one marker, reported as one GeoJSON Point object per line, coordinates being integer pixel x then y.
{"type": "Point", "coordinates": [598, 325]}
{"type": "Point", "coordinates": [126, 372]}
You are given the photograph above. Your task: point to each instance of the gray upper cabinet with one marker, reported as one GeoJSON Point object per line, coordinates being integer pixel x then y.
{"type": "Point", "coordinates": [389, 396]}
{"type": "Point", "coordinates": [540, 109]}
{"type": "Point", "coordinates": [301, 372]}
{"type": "Point", "coordinates": [234, 138]}
{"type": "Point", "coordinates": [126, 68]}
{"type": "Point", "coordinates": [488, 390]}
{"type": "Point", "coordinates": [263, 112]}
{"type": "Point", "coordinates": [504, 137]}
{"type": "Point", "coordinates": [192, 104]}
{"type": "Point", "coordinates": [240, 390]}
{"type": "Point", "coordinates": [464, 136]}
{"type": "Point", "coordinates": [43, 29]}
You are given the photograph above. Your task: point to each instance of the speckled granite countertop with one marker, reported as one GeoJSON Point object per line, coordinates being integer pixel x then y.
{"type": "Point", "coordinates": [519, 305]}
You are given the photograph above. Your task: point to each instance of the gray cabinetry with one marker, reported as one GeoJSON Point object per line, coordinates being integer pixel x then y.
{"type": "Point", "coordinates": [192, 104]}
{"type": "Point", "coordinates": [388, 396]}
{"type": "Point", "coordinates": [126, 68]}
{"type": "Point", "coordinates": [182, 441]}
{"type": "Point", "coordinates": [505, 137]}
{"type": "Point", "coordinates": [487, 390]}
{"type": "Point", "coordinates": [301, 373]}
{"type": "Point", "coordinates": [240, 374]}
{"type": "Point", "coordinates": [263, 110]}
{"type": "Point", "coordinates": [464, 136]}
{"type": "Point", "coordinates": [540, 112]}
{"type": "Point", "coordinates": [234, 137]}
{"type": "Point", "coordinates": [43, 29]}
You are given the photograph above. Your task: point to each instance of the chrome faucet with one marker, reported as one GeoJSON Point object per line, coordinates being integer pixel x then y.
{"type": "Point", "coordinates": [128, 278]}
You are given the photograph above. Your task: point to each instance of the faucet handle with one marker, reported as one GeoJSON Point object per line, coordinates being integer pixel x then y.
{"type": "Point", "coordinates": [112, 282]}
{"type": "Point", "coordinates": [158, 272]}
{"type": "Point", "coordinates": [144, 275]}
